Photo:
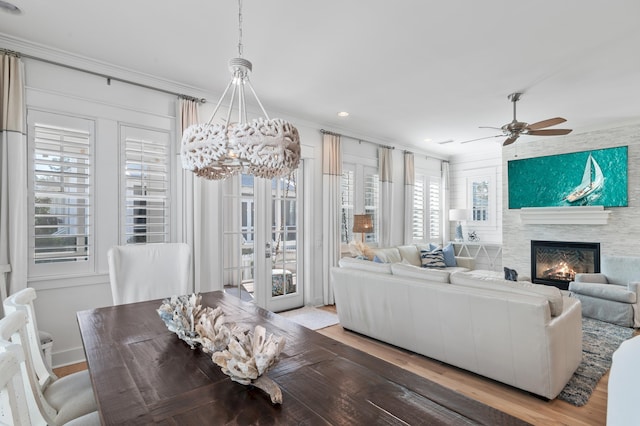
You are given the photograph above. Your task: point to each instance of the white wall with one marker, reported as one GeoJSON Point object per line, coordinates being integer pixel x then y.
{"type": "Point", "coordinates": [621, 235]}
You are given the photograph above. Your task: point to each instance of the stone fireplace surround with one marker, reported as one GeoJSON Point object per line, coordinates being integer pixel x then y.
{"type": "Point", "coordinates": [619, 236]}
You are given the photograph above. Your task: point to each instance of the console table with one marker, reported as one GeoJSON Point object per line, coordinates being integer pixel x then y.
{"type": "Point", "coordinates": [143, 374]}
{"type": "Point", "coordinates": [478, 250]}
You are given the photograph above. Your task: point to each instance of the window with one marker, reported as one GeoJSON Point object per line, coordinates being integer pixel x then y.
{"type": "Point", "coordinates": [427, 209]}
{"type": "Point", "coordinates": [60, 203]}
{"type": "Point", "coordinates": [481, 198]}
{"type": "Point", "coordinates": [360, 194]}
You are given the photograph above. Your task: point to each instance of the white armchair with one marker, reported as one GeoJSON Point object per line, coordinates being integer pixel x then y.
{"type": "Point", "coordinates": [613, 294]}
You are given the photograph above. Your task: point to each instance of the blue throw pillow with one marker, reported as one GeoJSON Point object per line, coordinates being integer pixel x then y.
{"type": "Point", "coordinates": [377, 259]}
{"type": "Point", "coordinates": [449, 255]}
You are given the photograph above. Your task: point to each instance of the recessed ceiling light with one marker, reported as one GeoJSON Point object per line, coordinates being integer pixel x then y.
{"type": "Point", "coordinates": [343, 114]}
{"type": "Point", "coordinates": [10, 8]}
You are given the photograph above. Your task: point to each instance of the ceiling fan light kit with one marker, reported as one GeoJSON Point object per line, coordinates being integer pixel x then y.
{"type": "Point", "coordinates": [263, 147]}
{"type": "Point", "coordinates": [514, 129]}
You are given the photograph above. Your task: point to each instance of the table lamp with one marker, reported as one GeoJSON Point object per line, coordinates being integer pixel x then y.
{"type": "Point", "coordinates": [362, 223]}
{"type": "Point", "coordinates": [458, 215]}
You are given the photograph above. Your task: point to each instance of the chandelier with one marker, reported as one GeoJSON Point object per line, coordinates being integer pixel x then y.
{"type": "Point", "coordinates": [263, 147]}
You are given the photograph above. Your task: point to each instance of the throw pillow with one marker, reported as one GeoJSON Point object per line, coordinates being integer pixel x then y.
{"type": "Point", "coordinates": [432, 259]}
{"type": "Point", "coordinates": [449, 255]}
{"type": "Point", "coordinates": [377, 259]}
{"type": "Point", "coordinates": [510, 274]}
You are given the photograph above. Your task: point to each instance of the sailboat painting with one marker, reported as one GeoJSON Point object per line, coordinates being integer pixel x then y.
{"type": "Point", "coordinates": [592, 180]}
{"type": "Point", "coordinates": [587, 178]}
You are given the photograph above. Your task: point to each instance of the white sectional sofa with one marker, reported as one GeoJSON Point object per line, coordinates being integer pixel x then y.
{"type": "Point", "coordinates": [519, 334]}
{"type": "Point", "coordinates": [410, 254]}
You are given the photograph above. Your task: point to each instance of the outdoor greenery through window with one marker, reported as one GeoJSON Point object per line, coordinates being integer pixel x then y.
{"type": "Point", "coordinates": [61, 203]}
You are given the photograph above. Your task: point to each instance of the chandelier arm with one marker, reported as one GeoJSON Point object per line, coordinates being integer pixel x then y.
{"type": "Point", "coordinates": [242, 106]}
{"type": "Point", "coordinates": [233, 98]}
{"type": "Point", "coordinates": [215, 110]}
{"type": "Point", "coordinates": [255, 95]}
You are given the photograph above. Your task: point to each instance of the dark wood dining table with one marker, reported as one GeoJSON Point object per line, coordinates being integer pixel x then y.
{"type": "Point", "coordinates": [143, 374]}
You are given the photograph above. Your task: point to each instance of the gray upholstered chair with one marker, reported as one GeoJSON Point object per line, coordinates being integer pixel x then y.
{"type": "Point", "coordinates": [613, 294]}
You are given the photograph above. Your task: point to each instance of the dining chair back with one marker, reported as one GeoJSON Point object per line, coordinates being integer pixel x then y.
{"type": "Point", "coordinates": [59, 401]}
{"type": "Point", "coordinates": [13, 399]}
{"type": "Point", "coordinates": [149, 271]}
{"type": "Point", "coordinates": [23, 301]}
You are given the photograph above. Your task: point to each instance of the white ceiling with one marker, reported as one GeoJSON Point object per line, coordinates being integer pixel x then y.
{"type": "Point", "coordinates": [405, 70]}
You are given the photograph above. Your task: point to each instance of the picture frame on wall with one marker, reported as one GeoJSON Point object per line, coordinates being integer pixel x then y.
{"type": "Point", "coordinates": [586, 178]}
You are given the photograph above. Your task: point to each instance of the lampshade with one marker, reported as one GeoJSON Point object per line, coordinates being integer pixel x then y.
{"type": "Point", "coordinates": [362, 223]}
{"type": "Point", "coordinates": [263, 147]}
{"type": "Point", "coordinates": [458, 214]}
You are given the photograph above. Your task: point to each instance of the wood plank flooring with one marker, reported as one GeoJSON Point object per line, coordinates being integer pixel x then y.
{"type": "Point", "coordinates": [506, 398]}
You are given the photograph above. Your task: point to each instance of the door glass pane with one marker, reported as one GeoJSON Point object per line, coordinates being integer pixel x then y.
{"type": "Point", "coordinates": [284, 234]}
{"type": "Point", "coordinates": [239, 236]}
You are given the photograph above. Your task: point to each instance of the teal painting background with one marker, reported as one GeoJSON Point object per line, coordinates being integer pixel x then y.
{"type": "Point", "coordinates": [546, 181]}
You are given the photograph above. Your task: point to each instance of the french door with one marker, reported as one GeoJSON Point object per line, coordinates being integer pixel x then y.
{"type": "Point", "coordinates": [262, 232]}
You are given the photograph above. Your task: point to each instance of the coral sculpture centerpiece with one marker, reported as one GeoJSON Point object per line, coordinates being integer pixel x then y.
{"type": "Point", "coordinates": [243, 354]}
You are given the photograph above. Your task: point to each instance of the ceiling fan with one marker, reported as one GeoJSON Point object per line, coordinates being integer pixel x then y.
{"type": "Point", "coordinates": [515, 128]}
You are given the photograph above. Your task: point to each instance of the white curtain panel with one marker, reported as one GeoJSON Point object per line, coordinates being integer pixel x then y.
{"type": "Point", "coordinates": [201, 208]}
{"type": "Point", "coordinates": [13, 176]}
{"type": "Point", "coordinates": [446, 225]}
{"type": "Point", "coordinates": [331, 205]}
{"type": "Point", "coordinates": [409, 187]}
{"type": "Point", "coordinates": [188, 115]}
{"type": "Point", "coordinates": [385, 170]}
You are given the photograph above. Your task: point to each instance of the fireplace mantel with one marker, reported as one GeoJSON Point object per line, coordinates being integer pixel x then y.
{"type": "Point", "coordinates": [569, 215]}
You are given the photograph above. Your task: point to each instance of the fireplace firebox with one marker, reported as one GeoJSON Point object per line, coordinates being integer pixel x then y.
{"type": "Point", "coordinates": [557, 262]}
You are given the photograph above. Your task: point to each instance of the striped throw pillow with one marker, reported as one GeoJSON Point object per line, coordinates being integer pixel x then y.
{"type": "Point", "coordinates": [432, 259]}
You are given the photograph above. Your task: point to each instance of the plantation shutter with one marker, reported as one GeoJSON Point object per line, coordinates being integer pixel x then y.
{"type": "Point", "coordinates": [145, 185]}
{"type": "Point", "coordinates": [434, 208]}
{"type": "Point", "coordinates": [419, 210]}
{"type": "Point", "coordinates": [348, 203]}
{"type": "Point", "coordinates": [371, 203]}
{"type": "Point", "coordinates": [61, 183]}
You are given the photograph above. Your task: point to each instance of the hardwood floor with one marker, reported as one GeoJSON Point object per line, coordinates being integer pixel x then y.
{"type": "Point", "coordinates": [506, 398]}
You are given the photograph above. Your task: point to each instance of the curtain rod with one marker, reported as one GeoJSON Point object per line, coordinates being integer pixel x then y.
{"type": "Point", "coordinates": [327, 132]}
{"type": "Point", "coordinates": [107, 77]}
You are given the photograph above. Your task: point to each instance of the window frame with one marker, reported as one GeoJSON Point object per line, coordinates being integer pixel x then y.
{"type": "Point", "coordinates": [473, 177]}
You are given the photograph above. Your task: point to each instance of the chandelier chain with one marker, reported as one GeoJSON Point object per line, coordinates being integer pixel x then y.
{"type": "Point", "coordinates": [240, 28]}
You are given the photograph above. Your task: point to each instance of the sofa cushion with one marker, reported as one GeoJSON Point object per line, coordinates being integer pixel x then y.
{"type": "Point", "coordinates": [612, 292]}
{"type": "Point", "coordinates": [432, 259]}
{"type": "Point", "coordinates": [478, 279]}
{"type": "Point", "coordinates": [410, 254]}
{"type": "Point", "coordinates": [388, 255]}
{"type": "Point", "coordinates": [365, 265]}
{"type": "Point", "coordinates": [423, 274]}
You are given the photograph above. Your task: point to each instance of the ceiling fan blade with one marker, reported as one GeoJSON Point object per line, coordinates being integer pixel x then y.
{"type": "Point", "coordinates": [549, 132]}
{"type": "Point", "coordinates": [510, 140]}
{"type": "Point", "coordinates": [489, 127]}
{"type": "Point", "coordinates": [486, 137]}
{"type": "Point", "coordinates": [546, 123]}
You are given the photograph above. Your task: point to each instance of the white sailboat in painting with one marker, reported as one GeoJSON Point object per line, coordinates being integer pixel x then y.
{"type": "Point", "coordinates": [592, 179]}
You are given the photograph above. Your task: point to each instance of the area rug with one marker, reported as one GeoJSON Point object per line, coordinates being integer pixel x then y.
{"type": "Point", "coordinates": [599, 341]}
{"type": "Point", "coordinates": [311, 317]}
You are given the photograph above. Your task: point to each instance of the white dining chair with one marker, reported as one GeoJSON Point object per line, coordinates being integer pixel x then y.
{"type": "Point", "coordinates": [149, 271]}
{"type": "Point", "coordinates": [59, 402]}
{"type": "Point", "coordinates": [46, 339]}
{"type": "Point", "coordinates": [13, 399]}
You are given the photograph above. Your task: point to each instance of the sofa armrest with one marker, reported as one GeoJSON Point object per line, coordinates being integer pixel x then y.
{"type": "Point", "coordinates": [635, 287]}
{"type": "Point", "coordinates": [611, 292]}
{"type": "Point", "coordinates": [466, 262]}
{"type": "Point", "coordinates": [591, 278]}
